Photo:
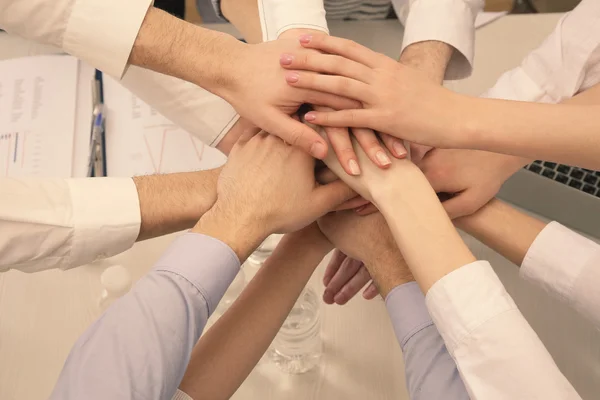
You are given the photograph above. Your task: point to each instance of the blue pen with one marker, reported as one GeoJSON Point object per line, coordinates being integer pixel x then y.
{"type": "Point", "coordinates": [96, 137]}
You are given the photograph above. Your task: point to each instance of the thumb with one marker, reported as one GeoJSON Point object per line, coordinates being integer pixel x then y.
{"type": "Point", "coordinates": [328, 197]}
{"type": "Point", "coordinates": [296, 133]}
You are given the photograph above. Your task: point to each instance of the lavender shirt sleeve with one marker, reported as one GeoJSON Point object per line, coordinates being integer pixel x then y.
{"type": "Point", "coordinates": [140, 347]}
{"type": "Point", "coordinates": [430, 371]}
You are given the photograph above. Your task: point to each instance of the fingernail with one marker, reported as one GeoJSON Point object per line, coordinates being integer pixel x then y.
{"type": "Point", "coordinates": [310, 116]}
{"type": "Point", "coordinates": [354, 168]}
{"type": "Point", "coordinates": [339, 298]}
{"type": "Point", "coordinates": [305, 38]}
{"type": "Point", "coordinates": [359, 209]}
{"type": "Point", "coordinates": [318, 150]}
{"type": "Point", "coordinates": [286, 59]}
{"type": "Point", "coordinates": [383, 158]}
{"type": "Point", "coordinates": [292, 77]}
{"type": "Point", "coordinates": [399, 148]}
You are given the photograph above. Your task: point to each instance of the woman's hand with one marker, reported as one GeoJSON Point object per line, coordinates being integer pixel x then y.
{"type": "Point", "coordinates": [397, 100]}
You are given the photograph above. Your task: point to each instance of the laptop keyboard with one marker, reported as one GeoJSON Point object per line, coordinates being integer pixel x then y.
{"type": "Point", "coordinates": [586, 180]}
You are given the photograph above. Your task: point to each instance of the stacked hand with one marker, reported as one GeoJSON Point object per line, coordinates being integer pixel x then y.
{"type": "Point", "coordinates": [396, 99]}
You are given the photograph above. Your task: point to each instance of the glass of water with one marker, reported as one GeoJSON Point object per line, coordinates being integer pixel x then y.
{"type": "Point", "coordinates": [297, 348]}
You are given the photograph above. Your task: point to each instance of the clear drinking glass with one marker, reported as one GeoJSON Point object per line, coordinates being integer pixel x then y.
{"type": "Point", "coordinates": [297, 348]}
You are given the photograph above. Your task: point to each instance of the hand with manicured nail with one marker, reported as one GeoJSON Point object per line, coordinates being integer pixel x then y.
{"type": "Point", "coordinates": [365, 239]}
{"type": "Point", "coordinates": [396, 99]}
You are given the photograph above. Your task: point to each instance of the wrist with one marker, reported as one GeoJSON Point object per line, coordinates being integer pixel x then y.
{"type": "Point", "coordinates": [386, 192]}
{"type": "Point", "coordinates": [389, 272]}
{"type": "Point", "coordinates": [429, 57]}
{"type": "Point", "coordinates": [239, 231]}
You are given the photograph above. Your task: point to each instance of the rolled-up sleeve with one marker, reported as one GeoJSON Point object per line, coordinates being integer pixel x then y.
{"type": "Point", "coordinates": [448, 21]}
{"type": "Point", "coordinates": [430, 371]}
{"type": "Point", "coordinates": [140, 347]}
{"type": "Point", "coordinates": [100, 32]}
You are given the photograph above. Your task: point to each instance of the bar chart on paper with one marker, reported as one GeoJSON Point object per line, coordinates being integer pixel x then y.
{"type": "Point", "coordinates": [140, 141]}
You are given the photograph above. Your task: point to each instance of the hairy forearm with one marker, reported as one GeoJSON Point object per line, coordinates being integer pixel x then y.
{"type": "Point", "coordinates": [174, 47]}
{"type": "Point", "coordinates": [503, 229]}
{"type": "Point", "coordinates": [228, 352]}
{"type": "Point", "coordinates": [566, 133]}
{"type": "Point", "coordinates": [425, 235]}
{"type": "Point", "coordinates": [389, 271]}
{"type": "Point", "coordinates": [174, 202]}
{"type": "Point", "coordinates": [430, 57]}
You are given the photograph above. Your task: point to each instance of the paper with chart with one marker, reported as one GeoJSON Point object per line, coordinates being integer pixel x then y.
{"type": "Point", "coordinates": [38, 96]}
{"type": "Point", "coordinates": [140, 141]}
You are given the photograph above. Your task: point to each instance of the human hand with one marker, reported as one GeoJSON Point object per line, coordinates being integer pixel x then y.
{"type": "Point", "coordinates": [344, 277]}
{"type": "Point", "coordinates": [267, 187]}
{"type": "Point", "coordinates": [397, 100]}
{"type": "Point", "coordinates": [258, 92]}
{"type": "Point", "coordinates": [367, 239]}
{"type": "Point", "coordinates": [475, 177]}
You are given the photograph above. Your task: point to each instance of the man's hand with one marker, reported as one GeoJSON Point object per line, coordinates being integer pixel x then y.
{"type": "Point", "coordinates": [267, 187]}
{"type": "Point", "coordinates": [369, 240]}
{"type": "Point", "coordinates": [474, 177]}
{"type": "Point", "coordinates": [344, 277]}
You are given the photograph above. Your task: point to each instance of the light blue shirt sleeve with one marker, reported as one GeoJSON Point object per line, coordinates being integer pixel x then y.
{"type": "Point", "coordinates": [431, 373]}
{"type": "Point", "coordinates": [140, 347]}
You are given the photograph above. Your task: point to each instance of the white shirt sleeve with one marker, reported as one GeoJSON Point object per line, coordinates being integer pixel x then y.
{"type": "Point", "coordinates": [497, 353]}
{"type": "Point", "coordinates": [201, 113]}
{"type": "Point", "coordinates": [100, 32]}
{"type": "Point", "coordinates": [65, 223]}
{"type": "Point", "coordinates": [278, 16]}
{"type": "Point", "coordinates": [448, 21]}
{"type": "Point", "coordinates": [566, 265]}
{"type": "Point", "coordinates": [567, 62]}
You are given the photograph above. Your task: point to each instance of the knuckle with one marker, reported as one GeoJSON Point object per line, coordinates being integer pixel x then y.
{"type": "Point", "coordinates": [295, 136]}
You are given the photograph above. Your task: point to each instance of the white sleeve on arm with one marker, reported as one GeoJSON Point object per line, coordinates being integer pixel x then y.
{"type": "Point", "coordinates": [448, 21]}
{"type": "Point", "coordinates": [100, 32]}
{"type": "Point", "coordinates": [278, 16]}
{"type": "Point", "coordinates": [497, 353]}
{"type": "Point", "coordinates": [65, 223]}
{"type": "Point", "coordinates": [567, 62]}
{"type": "Point", "coordinates": [201, 113]}
{"type": "Point", "coordinates": [566, 265]}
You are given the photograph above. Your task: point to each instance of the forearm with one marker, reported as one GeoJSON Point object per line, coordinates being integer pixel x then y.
{"type": "Point", "coordinates": [228, 352]}
{"type": "Point", "coordinates": [430, 57]}
{"type": "Point", "coordinates": [425, 235]}
{"type": "Point", "coordinates": [537, 131]}
{"type": "Point", "coordinates": [503, 228]}
{"type": "Point", "coordinates": [174, 202]}
{"type": "Point", "coordinates": [174, 47]}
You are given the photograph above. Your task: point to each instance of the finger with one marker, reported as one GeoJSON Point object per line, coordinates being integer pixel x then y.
{"type": "Point", "coordinates": [371, 291]}
{"type": "Point", "coordinates": [342, 118]}
{"type": "Point", "coordinates": [367, 139]}
{"type": "Point", "coordinates": [342, 145]}
{"type": "Point", "coordinates": [295, 133]}
{"type": "Point", "coordinates": [337, 85]}
{"type": "Point", "coordinates": [329, 100]}
{"type": "Point", "coordinates": [328, 197]}
{"type": "Point", "coordinates": [366, 210]}
{"type": "Point", "coordinates": [354, 203]}
{"type": "Point", "coordinates": [328, 64]}
{"type": "Point", "coordinates": [418, 152]}
{"type": "Point", "coordinates": [348, 268]}
{"type": "Point", "coordinates": [343, 47]}
{"type": "Point", "coordinates": [353, 286]}
{"type": "Point", "coordinates": [333, 266]}
{"type": "Point", "coordinates": [394, 145]}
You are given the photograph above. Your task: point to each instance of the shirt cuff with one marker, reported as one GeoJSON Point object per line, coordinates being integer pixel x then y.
{"type": "Point", "coordinates": [216, 4]}
{"type": "Point", "coordinates": [278, 16]}
{"type": "Point", "coordinates": [102, 32]}
{"type": "Point", "coordinates": [557, 258]}
{"type": "Point", "coordinates": [179, 395]}
{"type": "Point", "coordinates": [448, 21]}
{"type": "Point", "coordinates": [518, 86]}
{"type": "Point", "coordinates": [207, 263]}
{"type": "Point", "coordinates": [407, 310]}
{"type": "Point", "coordinates": [106, 216]}
{"type": "Point", "coordinates": [465, 299]}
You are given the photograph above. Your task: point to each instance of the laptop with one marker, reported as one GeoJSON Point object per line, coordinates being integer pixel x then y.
{"type": "Point", "coordinates": [569, 195]}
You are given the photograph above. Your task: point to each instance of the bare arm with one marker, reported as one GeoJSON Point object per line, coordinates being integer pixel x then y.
{"type": "Point", "coordinates": [230, 349]}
